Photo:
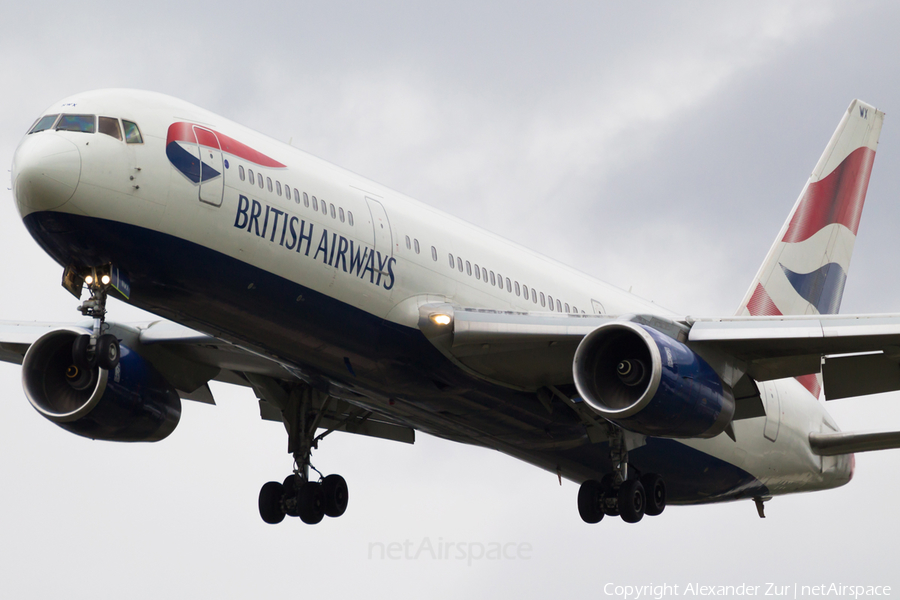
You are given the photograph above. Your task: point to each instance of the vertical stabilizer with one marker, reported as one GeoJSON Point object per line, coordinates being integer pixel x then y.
{"type": "Point", "coordinates": [806, 268]}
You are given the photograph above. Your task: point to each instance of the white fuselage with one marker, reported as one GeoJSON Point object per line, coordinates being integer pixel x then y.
{"type": "Point", "coordinates": [419, 254]}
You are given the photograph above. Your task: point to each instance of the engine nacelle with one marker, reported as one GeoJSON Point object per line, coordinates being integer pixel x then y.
{"type": "Point", "coordinates": [132, 403]}
{"type": "Point", "coordinates": [646, 382]}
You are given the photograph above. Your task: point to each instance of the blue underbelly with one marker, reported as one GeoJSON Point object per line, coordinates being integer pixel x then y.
{"type": "Point", "coordinates": [210, 291]}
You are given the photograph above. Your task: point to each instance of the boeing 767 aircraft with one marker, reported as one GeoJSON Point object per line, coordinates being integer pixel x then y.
{"type": "Point", "coordinates": [346, 306]}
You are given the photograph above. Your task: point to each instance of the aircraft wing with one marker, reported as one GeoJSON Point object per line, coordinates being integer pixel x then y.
{"type": "Point", "coordinates": [857, 354]}
{"type": "Point", "coordinates": [189, 360]}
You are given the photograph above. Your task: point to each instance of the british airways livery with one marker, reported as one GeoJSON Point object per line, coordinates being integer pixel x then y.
{"type": "Point", "coordinates": [345, 306]}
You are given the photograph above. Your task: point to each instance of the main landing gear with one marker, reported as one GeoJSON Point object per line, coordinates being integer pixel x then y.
{"type": "Point", "coordinates": [96, 349]}
{"type": "Point", "coordinates": [298, 495]}
{"type": "Point", "coordinates": [617, 493]}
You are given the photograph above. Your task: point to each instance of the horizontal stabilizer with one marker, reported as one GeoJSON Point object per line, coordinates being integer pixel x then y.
{"type": "Point", "coordinates": [832, 444]}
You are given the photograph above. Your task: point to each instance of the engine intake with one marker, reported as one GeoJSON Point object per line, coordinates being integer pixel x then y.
{"type": "Point", "coordinates": [132, 403]}
{"type": "Point", "coordinates": [649, 383]}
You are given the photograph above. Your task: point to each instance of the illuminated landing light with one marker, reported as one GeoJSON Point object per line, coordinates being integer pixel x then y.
{"type": "Point", "coordinates": [105, 280]}
{"type": "Point", "coordinates": [441, 319]}
{"type": "Point", "coordinates": [89, 280]}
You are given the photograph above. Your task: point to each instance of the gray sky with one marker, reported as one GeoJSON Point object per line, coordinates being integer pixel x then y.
{"type": "Point", "coordinates": [655, 146]}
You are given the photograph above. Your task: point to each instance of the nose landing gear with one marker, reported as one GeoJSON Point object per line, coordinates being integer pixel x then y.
{"type": "Point", "coordinates": [96, 349]}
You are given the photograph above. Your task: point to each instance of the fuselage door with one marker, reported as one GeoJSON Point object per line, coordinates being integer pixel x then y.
{"type": "Point", "coordinates": [384, 240]}
{"type": "Point", "coordinates": [212, 169]}
{"type": "Point", "coordinates": [773, 411]}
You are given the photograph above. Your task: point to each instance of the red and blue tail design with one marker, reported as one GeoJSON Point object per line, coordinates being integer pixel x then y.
{"type": "Point", "coordinates": [184, 142]}
{"type": "Point", "coordinates": [806, 268]}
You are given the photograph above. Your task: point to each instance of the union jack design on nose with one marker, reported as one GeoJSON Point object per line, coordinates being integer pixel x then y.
{"type": "Point", "coordinates": [184, 145]}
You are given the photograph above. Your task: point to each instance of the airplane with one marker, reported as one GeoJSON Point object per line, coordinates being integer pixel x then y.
{"type": "Point", "coordinates": [348, 307]}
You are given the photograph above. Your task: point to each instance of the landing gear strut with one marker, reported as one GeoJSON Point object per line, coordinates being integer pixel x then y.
{"type": "Point", "coordinates": [299, 496]}
{"type": "Point", "coordinates": [621, 493]}
{"type": "Point", "coordinates": [98, 348]}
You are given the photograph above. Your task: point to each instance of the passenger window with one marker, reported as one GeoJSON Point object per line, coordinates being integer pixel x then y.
{"type": "Point", "coordinates": [574, 309]}
{"type": "Point", "coordinates": [508, 285]}
{"type": "Point", "coordinates": [518, 289]}
{"type": "Point", "coordinates": [543, 300]}
{"type": "Point", "coordinates": [484, 274]}
{"type": "Point", "coordinates": [525, 291]}
{"type": "Point", "coordinates": [416, 245]}
{"type": "Point", "coordinates": [408, 243]}
{"type": "Point", "coordinates": [44, 123]}
{"type": "Point", "coordinates": [434, 254]}
{"type": "Point", "coordinates": [305, 198]}
{"type": "Point", "coordinates": [252, 179]}
{"type": "Point", "coordinates": [468, 268]}
{"type": "Point", "coordinates": [567, 307]}
{"type": "Point", "coordinates": [110, 126]}
{"type": "Point", "coordinates": [241, 172]}
{"type": "Point", "coordinates": [493, 282]}
{"type": "Point", "coordinates": [82, 123]}
{"type": "Point", "coordinates": [558, 306]}
{"type": "Point", "coordinates": [477, 272]}
{"type": "Point", "coordinates": [262, 183]}
{"type": "Point", "coordinates": [550, 302]}
{"type": "Point", "coordinates": [452, 262]}
{"type": "Point", "coordinates": [534, 295]}
{"type": "Point", "coordinates": [269, 183]}
{"type": "Point", "coordinates": [341, 214]}
{"type": "Point", "coordinates": [499, 280]}
{"type": "Point", "coordinates": [315, 204]}
{"type": "Point", "coordinates": [132, 133]}
{"type": "Point", "coordinates": [333, 214]}
{"type": "Point", "coordinates": [278, 187]}
{"type": "Point", "coordinates": [350, 221]}
{"type": "Point", "coordinates": [459, 264]}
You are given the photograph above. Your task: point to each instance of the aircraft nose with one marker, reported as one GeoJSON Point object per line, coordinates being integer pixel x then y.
{"type": "Point", "coordinates": [46, 171]}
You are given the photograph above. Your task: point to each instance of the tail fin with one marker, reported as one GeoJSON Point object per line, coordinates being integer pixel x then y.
{"type": "Point", "coordinates": [806, 268]}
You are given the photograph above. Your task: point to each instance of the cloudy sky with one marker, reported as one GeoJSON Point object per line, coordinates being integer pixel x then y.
{"type": "Point", "coordinates": [656, 146]}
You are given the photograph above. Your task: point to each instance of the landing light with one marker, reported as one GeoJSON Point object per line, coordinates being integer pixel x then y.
{"type": "Point", "coordinates": [441, 319]}
{"type": "Point", "coordinates": [89, 280]}
{"type": "Point", "coordinates": [105, 280]}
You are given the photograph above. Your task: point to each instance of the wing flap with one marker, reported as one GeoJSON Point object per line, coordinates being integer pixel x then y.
{"type": "Point", "coordinates": [789, 346]}
{"type": "Point", "coordinates": [860, 375]}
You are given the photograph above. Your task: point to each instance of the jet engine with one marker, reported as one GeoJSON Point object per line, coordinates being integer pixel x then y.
{"type": "Point", "coordinates": [646, 382]}
{"type": "Point", "coordinates": [131, 403]}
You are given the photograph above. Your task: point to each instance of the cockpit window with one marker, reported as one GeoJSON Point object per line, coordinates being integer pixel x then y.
{"type": "Point", "coordinates": [132, 133]}
{"type": "Point", "coordinates": [110, 126]}
{"type": "Point", "coordinates": [43, 123]}
{"type": "Point", "coordinates": [82, 123]}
